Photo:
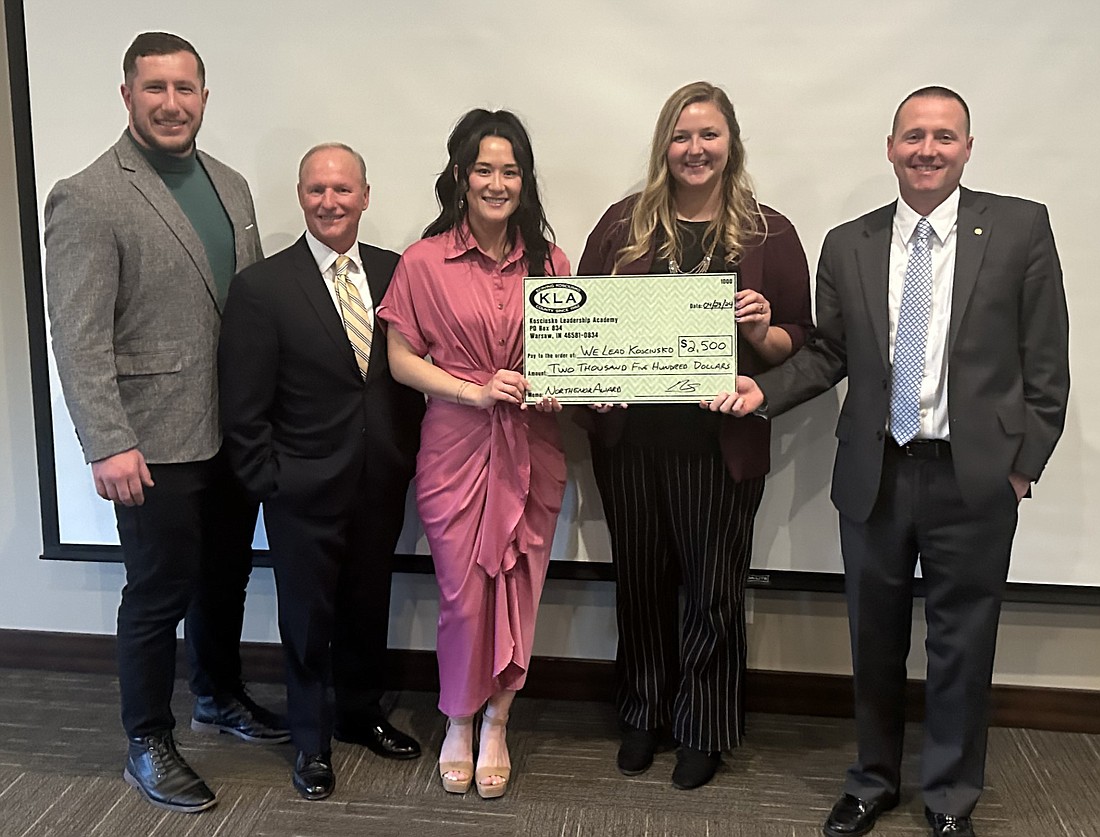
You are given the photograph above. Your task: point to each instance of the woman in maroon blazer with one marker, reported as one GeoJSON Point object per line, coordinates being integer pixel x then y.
{"type": "Point", "coordinates": [681, 485]}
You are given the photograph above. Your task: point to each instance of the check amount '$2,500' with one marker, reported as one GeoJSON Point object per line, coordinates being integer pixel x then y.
{"type": "Point", "coordinates": [647, 339]}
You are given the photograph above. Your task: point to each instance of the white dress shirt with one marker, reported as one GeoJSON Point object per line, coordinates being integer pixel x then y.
{"type": "Point", "coordinates": [944, 222]}
{"type": "Point", "coordinates": [326, 258]}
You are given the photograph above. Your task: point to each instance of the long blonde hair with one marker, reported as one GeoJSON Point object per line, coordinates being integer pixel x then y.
{"type": "Point", "coordinates": [739, 217]}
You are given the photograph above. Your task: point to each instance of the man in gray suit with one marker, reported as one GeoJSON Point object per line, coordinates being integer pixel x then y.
{"type": "Point", "coordinates": [140, 248]}
{"type": "Point", "coordinates": [945, 311]}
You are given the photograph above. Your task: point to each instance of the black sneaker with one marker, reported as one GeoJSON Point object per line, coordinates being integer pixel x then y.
{"type": "Point", "coordinates": [248, 721]}
{"type": "Point", "coordinates": [155, 767]}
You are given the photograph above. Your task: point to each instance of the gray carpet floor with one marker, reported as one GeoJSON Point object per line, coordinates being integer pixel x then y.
{"type": "Point", "coordinates": [61, 753]}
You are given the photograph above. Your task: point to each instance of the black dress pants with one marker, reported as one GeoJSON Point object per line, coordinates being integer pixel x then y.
{"type": "Point", "coordinates": [333, 575]}
{"type": "Point", "coordinates": [188, 555]}
{"type": "Point", "coordinates": [964, 557]}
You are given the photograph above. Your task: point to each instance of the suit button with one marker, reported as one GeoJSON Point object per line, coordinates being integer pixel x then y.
{"type": "Point", "coordinates": [885, 383]}
{"type": "Point", "coordinates": [880, 435]}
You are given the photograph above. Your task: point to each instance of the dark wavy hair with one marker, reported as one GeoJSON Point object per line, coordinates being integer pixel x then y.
{"type": "Point", "coordinates": [454, 181]}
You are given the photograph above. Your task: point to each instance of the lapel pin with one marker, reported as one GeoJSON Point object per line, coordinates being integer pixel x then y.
{"type": "Point", "coordinates": [977, 230]}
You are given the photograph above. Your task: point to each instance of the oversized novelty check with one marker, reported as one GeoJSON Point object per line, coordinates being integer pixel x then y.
{"type": "Point", "coordinates": [652, 339]}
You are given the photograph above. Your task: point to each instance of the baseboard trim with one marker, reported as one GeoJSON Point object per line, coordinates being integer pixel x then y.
{"type": "Point", "coordinates": [782, 692]}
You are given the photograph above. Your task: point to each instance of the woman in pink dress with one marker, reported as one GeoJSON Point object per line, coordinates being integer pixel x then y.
{"type": "Point", "coordinates": [490, 473]}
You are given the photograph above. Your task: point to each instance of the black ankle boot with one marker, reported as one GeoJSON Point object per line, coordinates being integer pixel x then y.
{"type": "Point", "coordinates": [155, 767]}
{"type": "Point", "coordinates": [637, 750]}
{"type": "Point", "coordinates": [694, 768]}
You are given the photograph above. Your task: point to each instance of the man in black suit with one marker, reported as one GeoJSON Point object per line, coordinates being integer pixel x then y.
{"type": "Point", "coordinates": [319, 431]}
{"type": "Point", "coordinates": [954, 406]}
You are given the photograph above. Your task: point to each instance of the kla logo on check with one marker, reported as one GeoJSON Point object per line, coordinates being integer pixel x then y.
{"type": "Point", "coordinates": [557, 298]}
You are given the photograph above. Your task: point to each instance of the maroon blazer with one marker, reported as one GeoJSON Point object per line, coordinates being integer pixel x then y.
{"type": "Point", "coordinates": [772, 263]}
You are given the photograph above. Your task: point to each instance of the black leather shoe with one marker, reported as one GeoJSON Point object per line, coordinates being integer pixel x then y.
{"type": "Point", "coordinates": [947, 825]}
{"type": "Point", "coordinates": [155, 767]}
{"type": "Point", "coordinates": [248, 721]}
{"type": "Point", "coordinates": [265, 716]}
{"type": "Point", "coordinates": [694, 768]}
{"type": "Point", "coordinates": [313, 776]}
{"type": "Point", "coordinates": [852, 816]}
{"type": "Point", "coordinates": [636, 750]}
{"type": "Point", "coordinates": [381, 737]}
{"type": "Point", "coordinates": [231, 715]}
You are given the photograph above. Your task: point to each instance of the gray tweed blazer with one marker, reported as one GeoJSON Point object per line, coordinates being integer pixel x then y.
{"type": "Point", "coordinates": [134, 316]}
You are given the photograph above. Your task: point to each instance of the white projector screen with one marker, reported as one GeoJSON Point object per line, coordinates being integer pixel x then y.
{"type": "Point", "coordinates": [814, 84]}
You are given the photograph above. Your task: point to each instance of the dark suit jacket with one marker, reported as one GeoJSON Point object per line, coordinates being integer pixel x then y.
{"type": "Point", "coordinates": [301, 425]}
{"type": "Point", "coordinates": [1008, 370]}
{"type": "Point", "coordinates": [773, 264]}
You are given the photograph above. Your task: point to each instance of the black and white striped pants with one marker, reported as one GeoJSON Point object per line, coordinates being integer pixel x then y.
{"type": "Point", "coordinates": [678, 517]}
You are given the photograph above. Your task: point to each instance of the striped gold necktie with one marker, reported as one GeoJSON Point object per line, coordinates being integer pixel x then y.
{"type": "Point", "coordinates": [354, 314]}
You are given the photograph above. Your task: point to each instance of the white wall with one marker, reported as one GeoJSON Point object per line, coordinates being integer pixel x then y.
{"type": "Point", "coordinates": [814, 85]}
{"type": "Point", "coordinates": [1039, 645]}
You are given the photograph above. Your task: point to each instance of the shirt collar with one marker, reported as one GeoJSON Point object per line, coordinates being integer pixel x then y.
{"type": "Point", "coordinates": [460, 240]}
{"type": "Point", "coordinates": [325, 256]}
{"type": "Point", "coordinates": [942, 219]}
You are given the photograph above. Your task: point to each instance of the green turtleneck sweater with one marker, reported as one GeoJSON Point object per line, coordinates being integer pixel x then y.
{"type": "Point", "coordinates": [190, 185]}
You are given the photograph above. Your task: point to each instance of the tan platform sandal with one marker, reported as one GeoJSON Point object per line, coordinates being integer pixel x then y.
{"type": "Point", "coordinates": [465, 768]}
{"type": "Point", "coordinates": [485, 788]}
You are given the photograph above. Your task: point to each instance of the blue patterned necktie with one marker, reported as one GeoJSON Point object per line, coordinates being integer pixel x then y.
{"type": "Point", "coordinates": [911, 337]}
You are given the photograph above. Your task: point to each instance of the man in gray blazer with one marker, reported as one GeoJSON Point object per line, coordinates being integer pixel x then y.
{"type": "Point", "coordinates": [140, 248]}
{"type": "Point", "coordinates": [946, 312]}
